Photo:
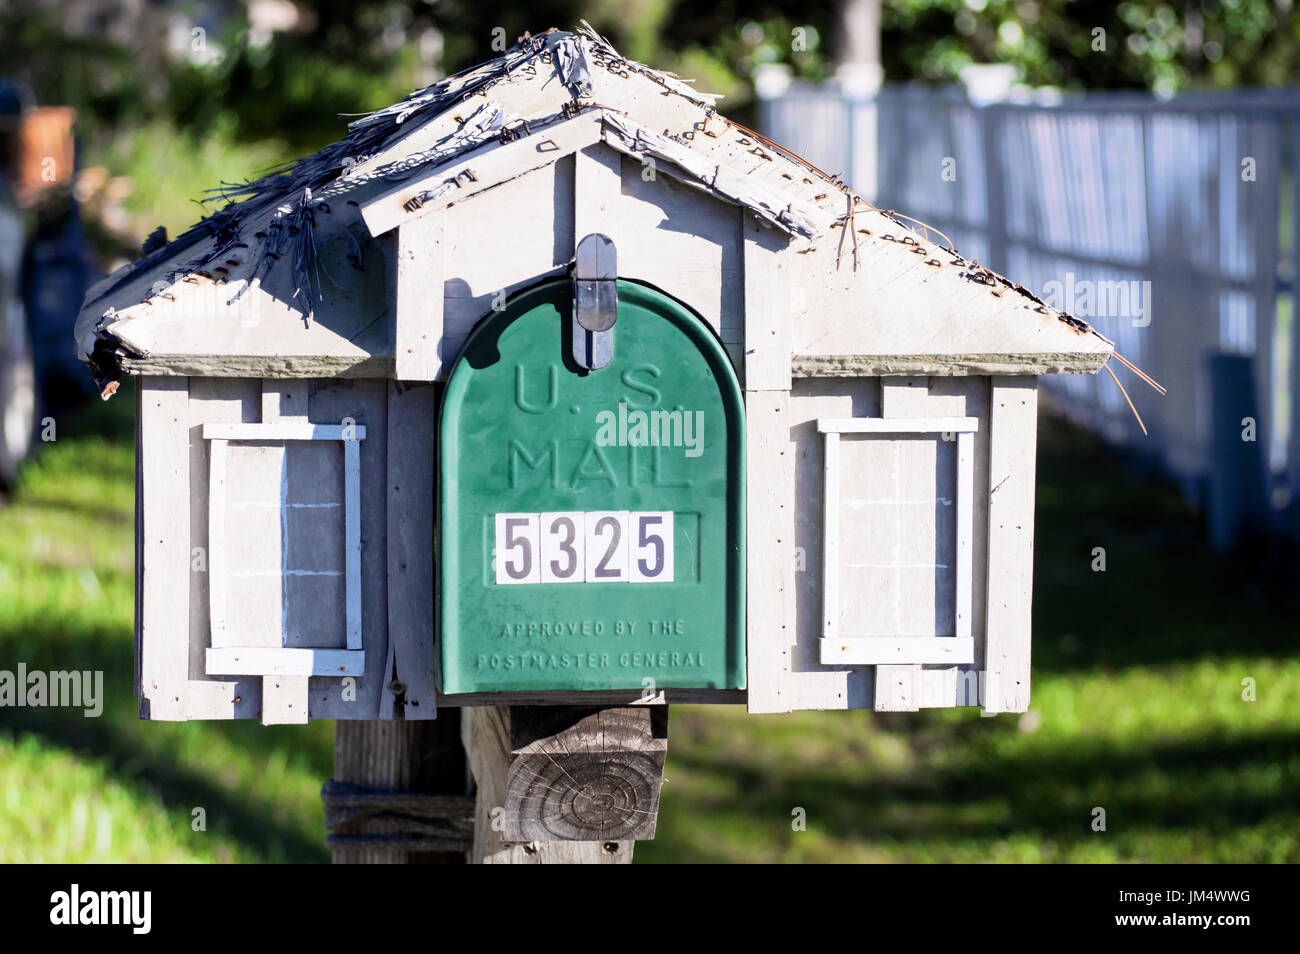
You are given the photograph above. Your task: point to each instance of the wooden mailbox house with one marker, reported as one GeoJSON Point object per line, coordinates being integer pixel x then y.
{"type": "Point", "coordinates": [339, 478]}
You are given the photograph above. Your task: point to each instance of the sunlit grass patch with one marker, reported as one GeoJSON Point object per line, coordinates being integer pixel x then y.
{"type": "Point", "coordinates": [114, 787]}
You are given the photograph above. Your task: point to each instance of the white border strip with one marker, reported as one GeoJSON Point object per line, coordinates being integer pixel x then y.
{"type": "Point", "coordinates": [223, 659]}
{"type": "Point", "coordinates": [352, 538]}
{"type": "Point", "coordinates": [952, 650]}
{"type": "Point", "coordinates": [284, 431]}
{"type": "Point", "coordinates": [282, 661]}
{"type": "Point", "coordinates": [898, 425]}
{"type": "Point", "coordinates": [860, 651]}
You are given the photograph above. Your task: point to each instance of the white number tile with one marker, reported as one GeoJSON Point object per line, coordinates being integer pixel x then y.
{"type": "Point", "coordinates": [517, 548]}
{"type": "Point", "coordinates": [563, 538]}
{"type": "Point", "coordinates": [607, 546]}
{"type": "Point", "coordinates": [650, 553]}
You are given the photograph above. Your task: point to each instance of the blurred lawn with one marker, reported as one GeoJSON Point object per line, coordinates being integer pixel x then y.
{"type": "Point", "coordinates": [172, 168]}
{"type": "Point", "coordinates": [1137, 709]}
{"type": "Point", "coordinates": [114, 788]}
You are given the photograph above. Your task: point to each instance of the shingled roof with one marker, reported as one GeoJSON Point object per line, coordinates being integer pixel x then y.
{"type": "Point", "coordinates": [296, 227]}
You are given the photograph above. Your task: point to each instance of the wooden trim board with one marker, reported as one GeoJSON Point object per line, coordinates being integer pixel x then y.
{"type": "Point", "coordinates": [933, 650]}
{"type": "Point", "coordinates": [845, 649]}
{"type": "Point", "coordinates": [1013, 434]}
{"type": "Point", "coordinates": [898, 425]}
{"type": "Point", "coordinates": [284, 431]}
{"type": "Point", "coordinates": [165, 519]}
{"type": "Point", "coordinates": [284, 661]}
{"type": "Point", "coordinates": [418, 338]}
{"type": "Point", "coordinates": [482, 169]}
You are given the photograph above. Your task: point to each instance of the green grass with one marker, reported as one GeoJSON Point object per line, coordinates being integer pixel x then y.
{"type": "Point", "coordinates": [171, 168]}
{"type": "Point", "coordinates": [1137, 708]}
{"type": "Point", "coordinates": [115, 788]}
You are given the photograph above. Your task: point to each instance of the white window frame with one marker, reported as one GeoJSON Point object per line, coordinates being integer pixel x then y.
{"type": "Point", "coordinates": [225, 660]}
{"type": "Point", "coordinates": [844, 649]}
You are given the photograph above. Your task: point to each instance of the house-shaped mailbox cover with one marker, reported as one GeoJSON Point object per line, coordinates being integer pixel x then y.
{"type": "Point", "coordinates": [338, 373]}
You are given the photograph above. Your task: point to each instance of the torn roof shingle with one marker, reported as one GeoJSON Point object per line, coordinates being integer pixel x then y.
{"type": "Point", "coordinates": [273, 223]}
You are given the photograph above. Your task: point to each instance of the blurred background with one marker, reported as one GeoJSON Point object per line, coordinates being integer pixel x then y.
{"type": "Point", "coordinates": [1136, 164]}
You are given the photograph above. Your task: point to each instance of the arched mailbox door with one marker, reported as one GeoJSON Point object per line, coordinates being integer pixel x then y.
{"type": "Point", "coordinates": [591, 523]}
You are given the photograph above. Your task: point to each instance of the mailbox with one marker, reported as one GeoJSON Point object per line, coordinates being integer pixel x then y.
{"type": "Point", "coordinates": [363, 479]}
{"type": "Point", "coordinates": [591, 522]}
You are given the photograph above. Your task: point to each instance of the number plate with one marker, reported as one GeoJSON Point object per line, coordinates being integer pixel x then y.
{"type": "Point", "coordinates": [603, 546]}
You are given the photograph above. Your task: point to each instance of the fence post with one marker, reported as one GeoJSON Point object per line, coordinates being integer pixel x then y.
{"type": "Point", "coordinates": [1237, 487]}
{"type": "Point", "coordinates": [995, 213]}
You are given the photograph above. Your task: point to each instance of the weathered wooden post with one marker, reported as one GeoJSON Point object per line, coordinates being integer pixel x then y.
{"type": "Point", "coordinates": [564, 784]}
{"type": "Point", "coordinates": [607, 403]}
{"type": "Point", "coordinates": [398, 793]}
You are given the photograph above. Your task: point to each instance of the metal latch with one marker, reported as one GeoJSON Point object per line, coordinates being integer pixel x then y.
{"type": "Point", "coordinates": [595, 301]}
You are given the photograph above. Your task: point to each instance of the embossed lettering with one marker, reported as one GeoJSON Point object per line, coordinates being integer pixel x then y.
{"type": "Point", "coordinates": [553, 391]}
{"type": "Point", "coordinates": [516, 453]}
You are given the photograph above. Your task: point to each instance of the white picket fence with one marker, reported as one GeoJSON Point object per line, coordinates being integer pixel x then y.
{"type": "Point", "coordinates": [1168, 224]}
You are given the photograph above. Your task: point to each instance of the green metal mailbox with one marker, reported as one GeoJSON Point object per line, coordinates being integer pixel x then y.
{"type": "Point", "coordinates": [591, 518]}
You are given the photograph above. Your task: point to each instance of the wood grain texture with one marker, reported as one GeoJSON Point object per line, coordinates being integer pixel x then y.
{"type": "Point", "coordinates": [939, 686]}
{"type": "Point", "coordinates": [209, 364]}
{"type": "Point", "coordinates": [769, 530]}
{"type": "Point", "coordinates": [395, 757]}
{"type": "Point", "coordinates": [810, 683]}
{"type": "Point", "coordinates": [578, 774]}
{"type": "Point", "coordinates": [597, 195]}
{"type": "Point", "coordinates": [418, 338]}
{"type": "Point", "coordinates": [1014, 434]}
{"type": "Point", "coordinates": [948, 650]}
{"type": "Point", "coordinates": [898, 302]}
{"type": "Point", "coordinates": [486, 737]}
{"type": "Point", "coordinates": [768, 332]}
{"type": "Point", "coordinates": [201, 325]}
{"type": "Point", "coordinates": [412, 412]}
{"type": "Point", "coordinates": [491, 165]}
{"type": "Point", "coordinates": [506, 240]}
{"type": "Point", "coordinates": [900, 312]}
{"type": "Point", "coordinates": [165, 530]}
{"type": "Point", "coordinates": [955, 364]}
{"type": "Point", "coordinates": [284, 700]}
{"type": "Point", "coordinates": [897, 686]}
{"type": "Point", "coordinates": [366, 403]}
{"type": "Point", "coordinates": [214, 697]}
{"type": "Point", "coordinates": [285, 661]}
{"type": "Point", "coordinates": [418, 822]}
{"type": "Point", "coordinates": [682, 241]}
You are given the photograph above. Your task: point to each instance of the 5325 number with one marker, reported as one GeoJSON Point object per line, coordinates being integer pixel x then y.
{"type": "Point", "coordinates": [600, 546]}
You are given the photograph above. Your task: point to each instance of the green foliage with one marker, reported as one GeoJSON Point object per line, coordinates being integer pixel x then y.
{"type": "Point", "coordinates": [172, 168]}
{"type": "Point", "coordinates": [279, 96]}
{"type": "Point", "coordinates": [113, 788]}
{"type": "Point", "coordinates": [1095, 45]}
{"type": "Point", "coordinates": [358, 56]}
